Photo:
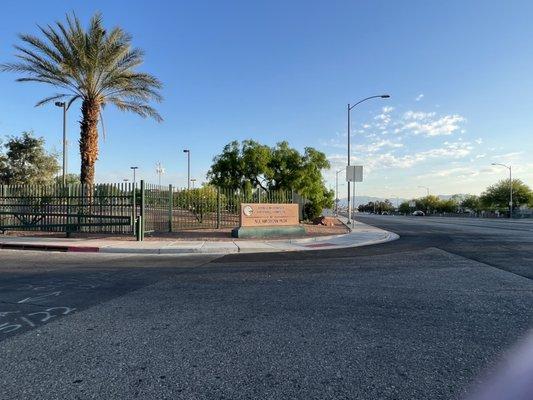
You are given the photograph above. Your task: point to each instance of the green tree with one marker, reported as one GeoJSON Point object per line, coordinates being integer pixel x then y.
{"type": "Point", "coordinates": [71, 179]}
{"type": "Point", "coordinates": [472, 203]}
{"type": "Point", "coordinates": [377, 206]}
{"type": "Point", "coordinates": [447, 206]}
{"type": "Point", "coordinates": [496, 197]}
{"type": "Point", "coordinates": [96, 66]}
{"type": "Point", "coordinates": [26, 161]}
{"type": "Point", "coordinates": [404, 207]}
{"type": "Point", "coordinates": [427, 204]}
{"type": "Point", "coordinates": [250, 164]}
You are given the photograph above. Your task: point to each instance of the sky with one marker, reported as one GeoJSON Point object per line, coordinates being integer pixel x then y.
{"type": "Point", "coordinates": [459, 73]}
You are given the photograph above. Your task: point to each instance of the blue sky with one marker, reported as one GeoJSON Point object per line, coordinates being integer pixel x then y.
{"type": "Point", "coordinates": [459, 73]}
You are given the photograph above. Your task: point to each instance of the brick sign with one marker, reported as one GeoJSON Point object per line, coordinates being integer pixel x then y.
{"type": "Point", "coordinates": [263, 214]}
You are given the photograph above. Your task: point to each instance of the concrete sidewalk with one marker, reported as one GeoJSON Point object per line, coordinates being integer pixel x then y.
{"type": "Point", "coordinates": [360, 235]}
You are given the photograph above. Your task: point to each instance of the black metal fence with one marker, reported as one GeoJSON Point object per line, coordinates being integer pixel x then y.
{"type": "Point", "coordinates": [105, 208]}
{"type": "Point", "coordinates": [127, 208]}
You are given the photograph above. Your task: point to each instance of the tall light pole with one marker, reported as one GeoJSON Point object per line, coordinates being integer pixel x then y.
{"type": "Point", "coordinates": [159, 170]}
{"type": "Point", "coordinates": [349, 108]}
{"type": "Point", "coordinates": [510, 187]}
{"type": "Point", "coordinates": [63, 105]}
{"type": "Point", "coordinates": [337, 191]}
{"type": "Point", "coordinates": [188, 167]}
{"type": "Point", "coordinates": [427, 191]}
{"type": "Point", "coordinates": [134, 169]}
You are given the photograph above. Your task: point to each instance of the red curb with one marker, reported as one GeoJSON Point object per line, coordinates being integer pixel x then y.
{"type": "Point", "coordinates": [83, 249]}
{"type": "Point", "coordinates": [46, 247]}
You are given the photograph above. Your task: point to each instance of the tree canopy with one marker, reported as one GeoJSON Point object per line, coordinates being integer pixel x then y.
{"type": "Point", "coordinates": [250, 164]}
{"type": "Point", "coordinates": [377, 206]}
{"type": "Point", "coordinates": [26, 161]}
{"type": "Point", "coordinates": [496, 197]}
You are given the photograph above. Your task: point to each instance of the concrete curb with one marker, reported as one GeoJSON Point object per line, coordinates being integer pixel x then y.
{"type": "Point", "coordinates": [368, 235]}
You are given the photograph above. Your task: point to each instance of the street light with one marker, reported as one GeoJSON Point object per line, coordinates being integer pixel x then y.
{"type": "Point", "coordinates": [510, 187]}
{"type": "Point", "coordinates": [427, 189]}
{"type": "Point", "coordinates": [134, 169]}
{"type": "Point", "coordinates": [159, 170]}
{"type": "Point", "coordinates": [63, 105]}
{"type": "Point", "coordinates": [337, 191]}
{"type": "Point", "coordinates": [349, 108]}
{"type": "Point", "coordinates": [188, 167]}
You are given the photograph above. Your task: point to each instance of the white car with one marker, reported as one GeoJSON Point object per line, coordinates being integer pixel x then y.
{"type": "Point", "coordinates": [418, 213]}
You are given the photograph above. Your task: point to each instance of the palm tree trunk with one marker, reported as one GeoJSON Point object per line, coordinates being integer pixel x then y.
{"type": "Point", "coordinates": [90, 111]}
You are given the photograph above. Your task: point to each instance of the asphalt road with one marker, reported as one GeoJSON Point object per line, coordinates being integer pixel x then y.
{"type": "Point", "coordinates": [416, 318]}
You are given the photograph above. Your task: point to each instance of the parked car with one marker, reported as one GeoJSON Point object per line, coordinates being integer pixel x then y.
{"type": "Point", "coordinates": [418, 213]}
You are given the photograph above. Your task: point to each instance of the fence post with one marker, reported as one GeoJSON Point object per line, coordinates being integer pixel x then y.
{"type": "Point", "coordinates": [170, 204]}
{"type": "Point", "coordinates": [68, 211]}
{"type": "Point", "coordinates": [218, 207]}
{"type": "Point", "coordinates": [142, 222]}
{"type": "Point", "coordinates": [2, 201]}
{"type": "Point", "coordinates": [134, 208]}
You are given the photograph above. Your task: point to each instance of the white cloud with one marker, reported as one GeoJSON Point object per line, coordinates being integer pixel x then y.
{"type": "Point", "coordinates": [419, 97]}
{"type": "Point", "coordinates": [429, 125]}
{"type": "Point", "coordinates": [378, 145]}
{"type": "Point", "coordinates": [418, 115]}
{"type": "Point", "coordinates": [515, 155]}
{"type": "Point", "coordinates": [369, 155]}
{"type": "Point", "coordinates": [457, 173]}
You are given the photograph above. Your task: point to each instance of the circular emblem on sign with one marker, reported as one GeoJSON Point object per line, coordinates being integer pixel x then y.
{"type": "Point", "coordinates": [247, 210]}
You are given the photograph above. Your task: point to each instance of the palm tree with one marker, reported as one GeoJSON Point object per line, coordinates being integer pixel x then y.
{"type": "Point", "coordinates": [94, 66]}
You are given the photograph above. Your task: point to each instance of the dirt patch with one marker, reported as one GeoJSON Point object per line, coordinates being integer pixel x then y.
{"type": "Point", "coordinates": [335, 227]}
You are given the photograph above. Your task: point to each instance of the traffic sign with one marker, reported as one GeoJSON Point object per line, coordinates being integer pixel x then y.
{"type": "Point", "coordinates": [354, 173]}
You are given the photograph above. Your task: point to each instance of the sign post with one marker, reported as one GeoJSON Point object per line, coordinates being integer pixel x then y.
{"type": "Point", "coordinates": [354, 173]}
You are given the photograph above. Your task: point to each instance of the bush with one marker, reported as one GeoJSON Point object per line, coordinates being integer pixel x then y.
{"type": "Point", "coordinates": [311, 211]}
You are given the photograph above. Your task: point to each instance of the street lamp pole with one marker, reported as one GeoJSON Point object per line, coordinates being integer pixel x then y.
{"type": "Point", "coordinates": [65, 166]}
{"type": "Point", "coordinates": [427, 191]}
{"type": "Point", "coordinates": [134, 168]}
{"type": "Point", "coordinates": [337, 191]}
{"type": "Point", "coordinates": [348, 109]}
{"type": "Point", "coordinates": [134, 195]}
{"type": "Point", "coordinates": [509, 167]}
{"type": "Point", "coordinates": [159, 170]}
{"type": "Point", "coordinates": [188, 168]}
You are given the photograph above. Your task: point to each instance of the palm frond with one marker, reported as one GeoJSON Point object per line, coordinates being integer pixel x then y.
{"type": "Point", "coordinates": [92, 64]}
{"type": "Point", "coordinates": [136, 107]}
{"type": "Point", "coordinates": [49, 99]}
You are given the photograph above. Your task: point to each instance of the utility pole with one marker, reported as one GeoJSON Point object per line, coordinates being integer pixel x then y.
{"type": "Point", "coordinates": [65, 146]}
{"type": "Point", "coordinates": [348, 109]}
{"type": "Point", "coordinates": [337, 191]}
{"type": "Point", "coordinates": [509, 167]}
{"type": "Point", "coordinates": [159, 170]}
{"type": "Point", "coordinates": [134, 168]}
{"type": "Point", "coordinates": [188, 167]}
